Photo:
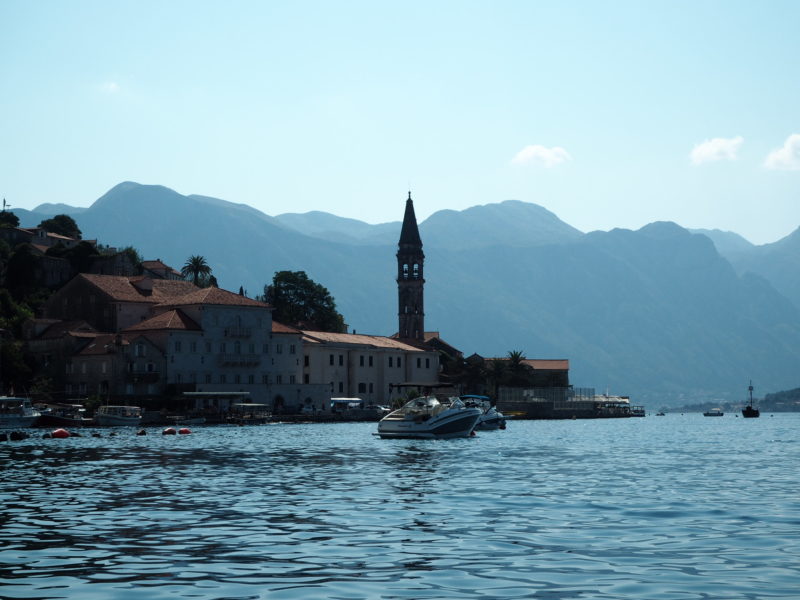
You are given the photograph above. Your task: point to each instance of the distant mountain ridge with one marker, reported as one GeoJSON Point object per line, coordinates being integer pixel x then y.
{"type": "Point", "coordinates": [660, 313]}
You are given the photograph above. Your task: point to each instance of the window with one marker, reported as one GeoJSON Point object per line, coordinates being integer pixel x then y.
{"type": "Point", "coordinates": [370, 361]}
{"type": "Point", "coordinates": [193, 347]}
{"type": "Point", "coordinates": [370, 388]}
{"type": "Point", "coordinates": [208, 377]}
{"type": "Point", "coordinates": [291, 379]}
{"type": "Point", "coordinates": [331, 360]}
{"type": "Point", "coordinates": [103, 367]}
{"type": "Point", "coordinates": [279, 348]}
{"type": "Point", "coordinates": [208, 347]}
{"type": "Point", "coordinates": [251, 379]}
{"type": "Point", "coordinates": [179, 378]}
{"type": "Point", "coordinates": [237, 378]}
{"type": "Point", "coordinates": [223, 378]}
{"type": "Point", "coordinates": [264, 378]}
{"type": "Point", "coordinates": [405, 271]}
{"type": "Point", "coordinates": [279, 379]}
{"type": "Point", "coordinates": [265, 349]}
{"type": "Point", "coordinates": [306, 378]}
{"type": "Point", "coordinates": [390, 361]}
{"type": "Point", "coordinates": [416, 271]}
{"type": "Point", "coordinates": [252, 349]}
{"type": "Point", "coordinates": [237, 348]}
{"type": "Point", "coordinates": [151, 367]}
{"type": "Point", "coordinates": [177, 346]}
{"type": "Point", "coordinates": [341, 387]}
{"type": "Point", "coordinates": [361, 361]}
{"type": "Point", "coordinates": [222, 348]}
{"type": "Point", "coordinates": [129, 389]}
{"type": "Point", "coordinates": [305, 360]}
{"type": "Point", "coordinates": [291, 349]}
{"type": "Point", "coordinates": [419, 363]}
{"type": "Point", "coordinates": [140, 350]}
{"type": "Point", "coordinates": [83, 367]}
{"type": "Point", "coordinates": [427, 363]}
{"type": "Point", "coordinates": [362, 388]}
{"type": "Point", "coordinates": [398, 361]}
{"type": "Point", "coordinates": [341, 360]}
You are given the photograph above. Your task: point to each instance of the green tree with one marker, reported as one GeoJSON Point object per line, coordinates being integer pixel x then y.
{"type": "Point", "coordinates": [62, 225]}
{"type": "Point", "coordinates": [517, 371]}
{"type": "Point", "coordinates": [197, 269]}
{"type": "Point", "coordinates": [134, 256]}
{"type": "Point", "coordinates": [300, 302]}
{"type": "Point", "coordinates": [8, 219]}
{"type": "Point", "coordinates": [496, 372]}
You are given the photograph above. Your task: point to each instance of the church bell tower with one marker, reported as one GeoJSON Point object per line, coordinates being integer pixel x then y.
{"type": "Point", "coordinates": [410, 280]}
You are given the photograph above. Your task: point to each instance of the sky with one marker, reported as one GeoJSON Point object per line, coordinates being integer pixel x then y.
{"type": "Point", "coordinates": [609, 114]}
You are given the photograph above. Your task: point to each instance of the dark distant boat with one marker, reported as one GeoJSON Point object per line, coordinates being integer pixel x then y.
{"type": "Point", "coordinates": [749, 411]}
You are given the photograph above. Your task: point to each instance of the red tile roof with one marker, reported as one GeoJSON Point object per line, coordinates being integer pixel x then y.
{"type": "Point", "coordinates": [123, 289]}
{"type": "Point", "coordinates": [104, 343]}
{"type": "Point", "coordinates": [281, 328]}
{"type": "Point", "coordinates": [173, 320]}
{"type": "Point", "coordinates": [61, 328]}
{"type": "Point", "coordinates": [375, 341]}
{"type": "Point", "coordinates": [212, 295]}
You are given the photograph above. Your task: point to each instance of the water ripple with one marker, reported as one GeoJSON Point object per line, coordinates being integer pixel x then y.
{"type": "Point", "coordinates": [667, 508]}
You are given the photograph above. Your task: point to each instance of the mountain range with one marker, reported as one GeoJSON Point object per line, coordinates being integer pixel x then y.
{"type": "Point", "coordinates": [664, 314]}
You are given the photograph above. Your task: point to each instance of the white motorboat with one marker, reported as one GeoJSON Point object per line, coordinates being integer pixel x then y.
{"type": "Point", "coordinates": [17, 412]}
{"type": "Point", "coordinates": [427, 418]}
{"type": "Point", "coordinates": [118, 415]}
{"type": "Point", "coordinates": [490, 418]}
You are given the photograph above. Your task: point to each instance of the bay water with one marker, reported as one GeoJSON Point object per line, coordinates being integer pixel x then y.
{"type": "Point", "coordinates": [674, 507]}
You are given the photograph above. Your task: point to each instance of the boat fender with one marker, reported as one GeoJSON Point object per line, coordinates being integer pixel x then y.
{"type": "Point", "coordinates": [15, 436]}
{"type": "Point", "coordinates": [3, 437]}
{"type": "Point", "coordinates": [141, 432]}
{"type": "Point", "coordinates": [60, 434]}
{"type": "Point", "coordinates": [96, 434]}
{"type": "Point", "coordinates": [113, 433]}
{"type": "Point", "coordinates": [184, 430]}
{"type": "Point", "coordinates": [169, 431]}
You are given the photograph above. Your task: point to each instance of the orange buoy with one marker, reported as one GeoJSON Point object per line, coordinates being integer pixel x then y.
{"type": "Point", "coordinates": [61, 433]}
{"type": "Point", "coordinates": [184, 430]}
{"type": "Point", "coordinates": [169, 431]}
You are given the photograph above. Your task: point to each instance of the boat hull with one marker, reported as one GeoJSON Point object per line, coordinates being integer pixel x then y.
{"type": "Point", "coordinates": [451, 424]}
{"type": "Point", "coordinates": [748, 412]}
{"type": "Point", "coordinates": [14, 422]}
{"type": "Point", "coordinates": [115, 421]}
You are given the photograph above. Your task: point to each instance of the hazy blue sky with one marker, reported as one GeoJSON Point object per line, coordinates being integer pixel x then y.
{"type": "Point", "coordinates": [609, 114]}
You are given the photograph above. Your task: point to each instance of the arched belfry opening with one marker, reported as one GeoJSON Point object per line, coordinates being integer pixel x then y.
{"type": "Point", "coordinates": [410, 278]}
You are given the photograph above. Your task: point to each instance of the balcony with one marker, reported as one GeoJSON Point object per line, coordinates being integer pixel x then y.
{"type": "Point", "coordinates": [238, 360]}
{"type": "Point", "coordinates": [142, 377]}
{"type": "Point", "coordinates": [238, 332]}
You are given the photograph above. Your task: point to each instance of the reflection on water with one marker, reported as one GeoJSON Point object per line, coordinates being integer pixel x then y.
{"type": "Point", "coordinates": [675, 507]}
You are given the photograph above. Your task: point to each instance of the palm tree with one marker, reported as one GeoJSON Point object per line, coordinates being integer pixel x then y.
{"type": "Point", "coordinates": [517, 370]}
{"type": "Point", "coordinates": [495, 373]}
{"type": "Point", "coordinates": [197, 268]}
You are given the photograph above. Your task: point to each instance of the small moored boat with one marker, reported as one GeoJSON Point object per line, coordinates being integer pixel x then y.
{"type": "Point", "coordinates": [118, 415]}
{"type": "Point", "coordinates": [426, 417]}
{"type": "Point", "coordinates": [749, 411]}
{"type": "Point", "coordinates": [714, 412]}
{"type": "Point", "coordinates": [17, 412]}
{"type": "Point", "coordinates": [490, 418]}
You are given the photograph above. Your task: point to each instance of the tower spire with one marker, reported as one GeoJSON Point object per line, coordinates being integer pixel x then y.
{"type": "Point", "coordinates": [410, 280]}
